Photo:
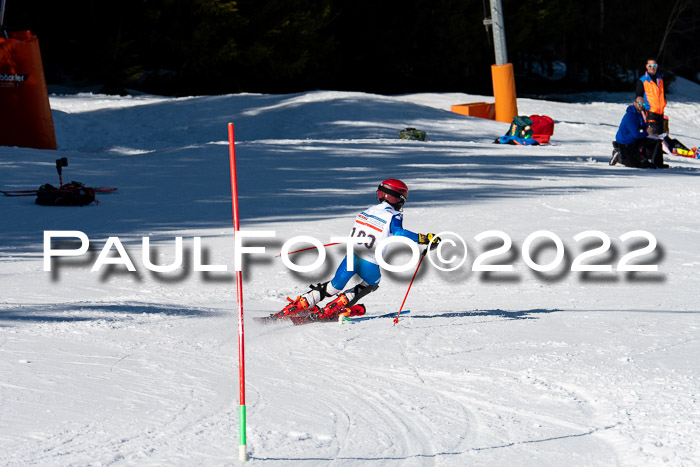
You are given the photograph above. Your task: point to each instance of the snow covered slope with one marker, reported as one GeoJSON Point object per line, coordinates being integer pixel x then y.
{"type": "Point", "coordinates": [490, 368]}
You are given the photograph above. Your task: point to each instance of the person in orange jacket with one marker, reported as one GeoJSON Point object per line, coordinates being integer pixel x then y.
{"type": "Point", "coordinates": [651, 87]}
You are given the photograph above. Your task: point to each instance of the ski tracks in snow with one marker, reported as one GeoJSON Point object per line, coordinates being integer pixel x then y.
{"type": "Point", "coordinates": [150, 382]}
{"type": "Point", "coordinates": [372, 397]}
{"type": "Point", "coordinates": [367, 410]}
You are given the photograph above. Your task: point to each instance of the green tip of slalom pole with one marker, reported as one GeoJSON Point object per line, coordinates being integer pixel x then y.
{"type": "Point", "coordinates": [242, 448]}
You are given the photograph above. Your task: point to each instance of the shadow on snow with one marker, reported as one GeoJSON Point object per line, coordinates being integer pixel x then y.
{"type": "Point", "coordinates": [520, 314]}
{"type": "Point", "coordinates": [77, 312]}
{"type": "Point", "coordinates": [305, 157]}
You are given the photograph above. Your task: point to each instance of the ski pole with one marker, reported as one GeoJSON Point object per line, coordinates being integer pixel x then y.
{"type": "Point", "coordinates": [309, 248]}
{"type": "Point", "coordinates": [396, 320]}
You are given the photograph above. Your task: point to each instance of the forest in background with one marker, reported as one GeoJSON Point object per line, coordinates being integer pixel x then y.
{"type": "Point", "coordinates": [195, 47]}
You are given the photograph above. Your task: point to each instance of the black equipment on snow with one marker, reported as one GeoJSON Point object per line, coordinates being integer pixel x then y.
{"type": "Point", "coordinates": [70, 194]}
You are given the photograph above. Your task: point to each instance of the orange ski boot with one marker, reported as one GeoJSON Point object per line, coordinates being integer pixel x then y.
{"type": "Point", "coordinates": [332, 310]}
{"type": "Point", "coordinates": [294, 307]}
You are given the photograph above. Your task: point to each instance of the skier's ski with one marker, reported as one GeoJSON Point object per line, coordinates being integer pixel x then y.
{"type": "Point", "coordinates": [307, 319]}
{"type": "Point", "coordinates": [99, 189]}
{"type": "Point", "coordinates": [274, 319]}
{"type": "Point", "coordinates": [357, 310]}
{"type": "Point", "coordinates": [689, 153]}
{"type": "Point", "coordinates": [19, 193]}
{"type": "Point", "coordinates": [308, 316]}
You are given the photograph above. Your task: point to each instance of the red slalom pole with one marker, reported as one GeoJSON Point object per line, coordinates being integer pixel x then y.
{"type": "Point", "coordinates": [242, 449]}
{"type": "Point", "coordinates": [396, 320]}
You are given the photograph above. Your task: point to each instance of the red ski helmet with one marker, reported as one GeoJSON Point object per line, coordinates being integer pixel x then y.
{"type": "Point", "coordinates": [394, 191]}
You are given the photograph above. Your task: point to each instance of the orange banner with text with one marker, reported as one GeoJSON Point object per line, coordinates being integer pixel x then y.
{"type": "Point", "coordinates": [25, 113]}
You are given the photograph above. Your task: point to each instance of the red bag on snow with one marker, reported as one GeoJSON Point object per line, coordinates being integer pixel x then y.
{"type": "Point", "coordinates": [542, 128]}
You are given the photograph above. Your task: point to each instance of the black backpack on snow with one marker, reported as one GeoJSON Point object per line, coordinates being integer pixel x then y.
{"type": "Point", "coordinates": [70, 194]}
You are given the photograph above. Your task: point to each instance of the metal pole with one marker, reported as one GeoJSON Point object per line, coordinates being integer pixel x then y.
{"type": "Point", "coordinates": [502, 74]}
{"type": "Point", "coordinates": [499, 33]}
{"type": "Point", "coordinates": [2, 15]}
{"type": "Point", "coordinates": [242, 449]}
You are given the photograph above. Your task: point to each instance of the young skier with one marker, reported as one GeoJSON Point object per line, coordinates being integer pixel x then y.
{"type": "Point", "coordinates": [375, 223]}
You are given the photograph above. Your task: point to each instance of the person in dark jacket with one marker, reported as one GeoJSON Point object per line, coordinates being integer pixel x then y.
{"type": "Point", "coordinates": [634, 147]}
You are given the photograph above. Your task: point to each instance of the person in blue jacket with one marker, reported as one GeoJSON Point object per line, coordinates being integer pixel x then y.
{"type": "Point", "coordinates": [634, 147]}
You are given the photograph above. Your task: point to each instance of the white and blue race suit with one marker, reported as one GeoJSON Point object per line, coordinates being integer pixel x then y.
{"type": "Point", "coordinates": [376, 223]}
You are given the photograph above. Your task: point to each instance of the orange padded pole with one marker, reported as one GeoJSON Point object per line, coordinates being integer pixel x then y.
{"type": "Point", "coordinates": [504, 91]}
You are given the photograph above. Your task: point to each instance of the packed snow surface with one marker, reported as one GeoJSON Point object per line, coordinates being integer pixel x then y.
{"type": "Point", "coordinates": [492, 368]}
